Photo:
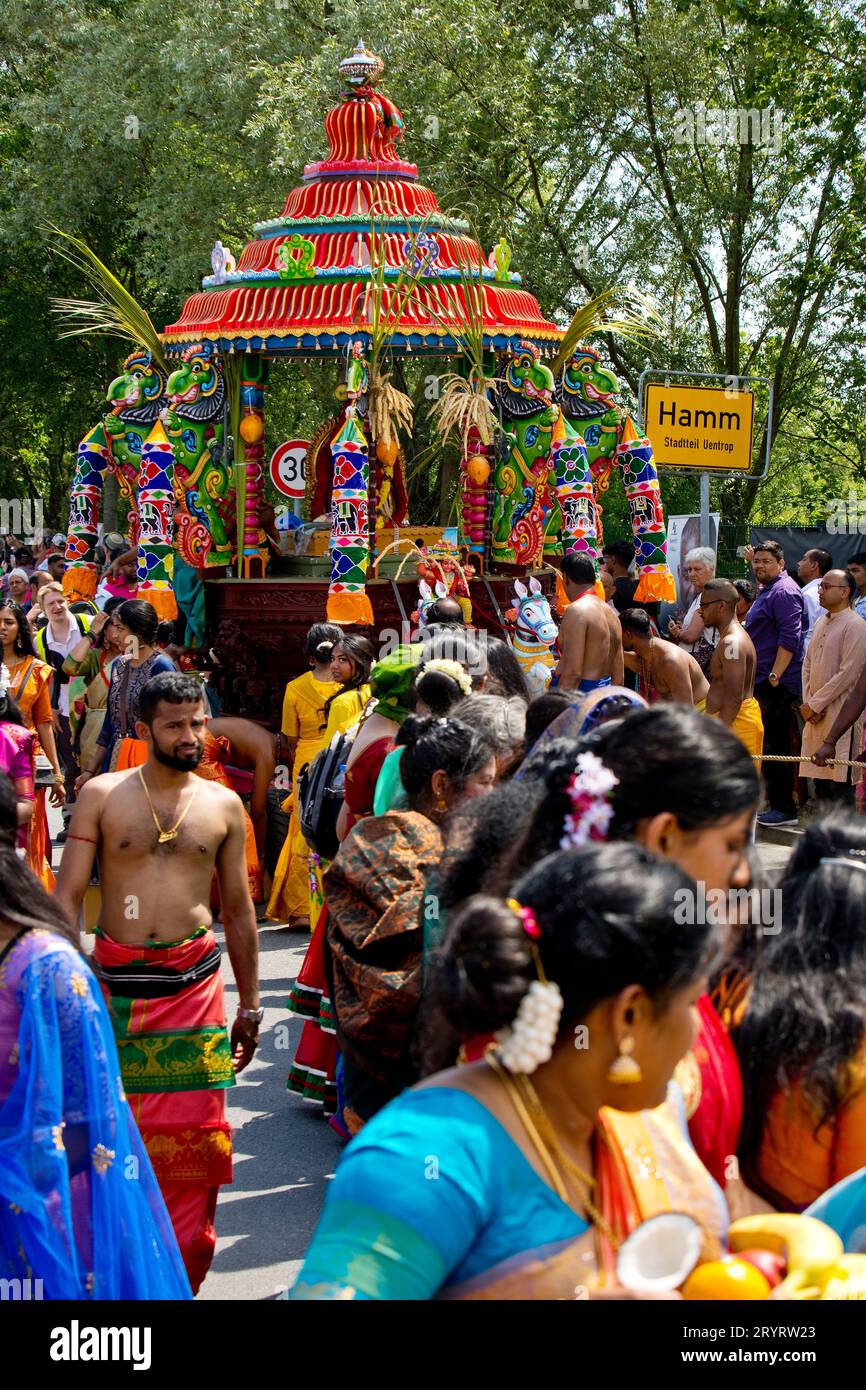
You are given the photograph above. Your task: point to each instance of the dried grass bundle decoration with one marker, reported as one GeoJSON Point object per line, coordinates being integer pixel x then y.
{"type": "Point", "coordinates": [462, 406]}
{"type": "Point", "coordinates": [389, 409]}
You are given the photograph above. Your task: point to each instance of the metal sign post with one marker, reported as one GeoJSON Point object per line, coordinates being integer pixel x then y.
{"type": "Point", "coordinates": [705, 509]}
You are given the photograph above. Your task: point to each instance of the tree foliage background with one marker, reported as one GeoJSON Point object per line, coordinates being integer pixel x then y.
{"type": "Point", "coordinates": [554, 124]}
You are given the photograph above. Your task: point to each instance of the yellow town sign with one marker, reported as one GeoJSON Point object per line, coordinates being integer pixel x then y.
{"type": "Point", "coordinates": [701, 427]}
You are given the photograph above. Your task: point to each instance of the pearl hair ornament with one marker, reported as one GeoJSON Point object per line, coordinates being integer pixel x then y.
{"type": "Point", "coordinates": [529, 1040]}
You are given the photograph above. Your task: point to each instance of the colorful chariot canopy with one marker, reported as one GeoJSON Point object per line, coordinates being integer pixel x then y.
{"type": "Point", "coordinates": [304, 284]}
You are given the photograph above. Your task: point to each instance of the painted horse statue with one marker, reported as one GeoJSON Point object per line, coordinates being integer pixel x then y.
{"type": "Point", "coordinates": [116, 445]}
{"type": "Point", "coordinates": [585, 390]}
{"type": "Point", "coordinates": [586, 394]}
{"type": "Point", "coordinates": [426, 598]}
{"type": "Point", "coordinates": [202, 479]}
{"type": "Point", "coordinates": [534, 635]}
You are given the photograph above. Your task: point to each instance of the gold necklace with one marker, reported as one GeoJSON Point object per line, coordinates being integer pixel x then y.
{"type": "Point", "coordinates": [165, 835]}
{"type": "Point", "coordinates": [562, 1169]}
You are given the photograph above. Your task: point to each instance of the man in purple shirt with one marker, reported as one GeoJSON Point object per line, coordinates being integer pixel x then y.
{"type": "Point", "coordinates": [775, 623]}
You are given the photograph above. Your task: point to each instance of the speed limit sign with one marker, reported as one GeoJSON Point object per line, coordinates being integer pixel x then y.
{"type": "Point", "coordinates": [288, 467]}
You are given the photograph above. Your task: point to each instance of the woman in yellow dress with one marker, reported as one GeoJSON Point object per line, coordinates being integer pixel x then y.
{"type": "Point", "coordinates": [304, 726]}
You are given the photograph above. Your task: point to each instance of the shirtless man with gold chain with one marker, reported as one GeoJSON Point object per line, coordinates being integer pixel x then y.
{"type": "Point", "coordinates": [160, 833]}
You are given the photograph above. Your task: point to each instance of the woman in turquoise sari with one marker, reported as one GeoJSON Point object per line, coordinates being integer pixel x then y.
{"type": "Point", "coordinates": [514, 1177]}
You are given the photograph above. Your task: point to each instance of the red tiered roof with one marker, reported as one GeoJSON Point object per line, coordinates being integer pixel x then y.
{"type": "Point", "coordinates": [320, 300]}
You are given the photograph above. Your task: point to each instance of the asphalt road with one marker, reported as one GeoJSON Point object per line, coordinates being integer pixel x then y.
{"type": "Point", "coordinates": [284, 1150]}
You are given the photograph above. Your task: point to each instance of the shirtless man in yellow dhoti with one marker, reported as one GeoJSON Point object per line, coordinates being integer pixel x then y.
{"type": "Point", "coordinates": [732, 669]}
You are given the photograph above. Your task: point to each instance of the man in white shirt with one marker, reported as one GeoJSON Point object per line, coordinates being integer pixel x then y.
{"type": "Point", "coordinates": [52, 550]}
{"type": "Point", "coordinates": [810, 571]}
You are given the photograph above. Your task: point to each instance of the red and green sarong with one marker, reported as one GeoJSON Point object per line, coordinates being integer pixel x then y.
{"type": "Point", "coordinates": [168, 1010]}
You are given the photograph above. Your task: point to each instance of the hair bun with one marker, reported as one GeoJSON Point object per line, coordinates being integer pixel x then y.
{"type": "Point", "coordinates": [414, 728]}
{"type": "Point", "coordinates": [483, 968]}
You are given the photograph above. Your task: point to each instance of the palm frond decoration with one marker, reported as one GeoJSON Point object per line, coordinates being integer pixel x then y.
{"type": "Point", "coordinates": [384, 304]}
{"type": "Point", "coordinates": [113, 312]}
{"type": "Point", "coordinates": [463, 402]}
{"type": "Point", "coordinates": [621, 309]}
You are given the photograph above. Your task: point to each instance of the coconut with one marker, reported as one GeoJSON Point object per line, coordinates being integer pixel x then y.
{"type": "Point", "coordinates": [660, 1253]}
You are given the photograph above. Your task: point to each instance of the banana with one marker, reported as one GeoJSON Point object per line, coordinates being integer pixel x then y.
{"type": "Point", "coordinates": [845, 1280]}
{"type": "Point", "coordinates": [810, 1247]}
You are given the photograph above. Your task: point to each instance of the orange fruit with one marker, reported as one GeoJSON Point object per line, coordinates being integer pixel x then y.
{"type": "Point", "coordinates": [386, 453]}
{"type": "Point", "coordinates": [478, 470]}
{"type": "Point", "coordinates": [252, 429]}
{"type": "Point", "coordinates": [728, 1278]}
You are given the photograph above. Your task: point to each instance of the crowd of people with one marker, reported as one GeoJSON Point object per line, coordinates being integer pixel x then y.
{"type": "Point", "coordinates": [777, 660]}
{"type": "Point", "coordinates": [518, 1014]}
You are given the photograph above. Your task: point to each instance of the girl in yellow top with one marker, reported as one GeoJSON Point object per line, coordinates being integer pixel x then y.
{"type": "Point", "coordinates": [303, 727]}
{"type": "Point", "coordinates": [351, 661]}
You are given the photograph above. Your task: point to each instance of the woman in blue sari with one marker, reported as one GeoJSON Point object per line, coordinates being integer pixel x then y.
{"type": "Point", "coordinates": [81, 1215]}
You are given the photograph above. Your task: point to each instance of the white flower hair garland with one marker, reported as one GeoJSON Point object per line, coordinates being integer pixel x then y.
{"type": "Point", "coordinates": [530, 1038]}
{"type": "Point", "coordinates": [450, 668]}
{"type": "Point", "coordinates": [5, 678]}
{"type": "Point", "coordinates": [591, 812]}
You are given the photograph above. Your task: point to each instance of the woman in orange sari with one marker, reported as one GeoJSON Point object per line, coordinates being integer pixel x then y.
{"type": "Point", "coordinates": [217, 753]}
{"type": "Point", "coordinates": [30, 688]}
{"type": "Point", "coordinates": [800, 1025]}
{"type": "Point", "coordinates": [548, 1152]}
{"type": "Point", "coordinates": [687, 790]}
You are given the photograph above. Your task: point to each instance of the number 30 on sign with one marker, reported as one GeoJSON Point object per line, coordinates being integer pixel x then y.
{"type": "Point", "coordinates": [288, 467]}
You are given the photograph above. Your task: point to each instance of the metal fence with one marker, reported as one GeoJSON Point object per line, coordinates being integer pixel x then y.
{"type": "Point", "coordinates": [730, 565]}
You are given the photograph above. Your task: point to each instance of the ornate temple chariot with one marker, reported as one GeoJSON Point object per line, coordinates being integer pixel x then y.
{"type": "Point", "coordinates": [361, 267]}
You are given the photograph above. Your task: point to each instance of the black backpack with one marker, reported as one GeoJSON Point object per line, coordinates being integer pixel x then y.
{"type": "Point", "coordinates": [320, 796]}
